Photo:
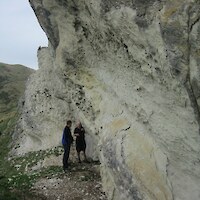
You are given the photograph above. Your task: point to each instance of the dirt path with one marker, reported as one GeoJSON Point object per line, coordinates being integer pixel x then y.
{"type": "Point", "coordinates": [81, 182]}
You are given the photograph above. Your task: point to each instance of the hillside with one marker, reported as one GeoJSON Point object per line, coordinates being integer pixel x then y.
{"type": "Point", "coordinates": [12, 86]}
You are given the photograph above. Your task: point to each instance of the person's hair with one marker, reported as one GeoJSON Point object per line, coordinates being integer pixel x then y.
{"type": "Point", "coordinates": [69, 122]}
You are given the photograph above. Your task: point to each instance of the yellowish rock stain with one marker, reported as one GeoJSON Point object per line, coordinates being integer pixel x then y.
{"type": "Point", "coordinates": [143, 166]}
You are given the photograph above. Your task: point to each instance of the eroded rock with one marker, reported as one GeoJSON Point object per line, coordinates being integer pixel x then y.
{"type": "Point", "coordinates": [129, 71]}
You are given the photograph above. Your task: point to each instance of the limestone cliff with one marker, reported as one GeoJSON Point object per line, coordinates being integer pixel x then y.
{"type": "Point", "coordinates": [129, 70]}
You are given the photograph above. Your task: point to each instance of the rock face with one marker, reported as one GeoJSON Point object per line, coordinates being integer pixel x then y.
{"type": "Point", "coordinates": [129, 70]}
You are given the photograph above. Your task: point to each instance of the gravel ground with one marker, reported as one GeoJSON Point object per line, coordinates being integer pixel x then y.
{"type": "Point", "coordinates": [81, 182]}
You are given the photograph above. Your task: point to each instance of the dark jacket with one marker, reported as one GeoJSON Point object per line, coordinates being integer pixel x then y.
{"type": "Point", "coordinates": [67, 138]}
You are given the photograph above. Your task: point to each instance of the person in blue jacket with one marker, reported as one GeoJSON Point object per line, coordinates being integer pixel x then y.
{"type": "Point", "coordinates": [67, 140]}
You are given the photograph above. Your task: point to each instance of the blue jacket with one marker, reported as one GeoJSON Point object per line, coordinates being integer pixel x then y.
{"type": "Point", "coordinates": [67, 138]}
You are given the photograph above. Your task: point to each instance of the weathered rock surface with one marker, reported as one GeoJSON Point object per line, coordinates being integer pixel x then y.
{"type": "Point", "coordinates": [129, 70]}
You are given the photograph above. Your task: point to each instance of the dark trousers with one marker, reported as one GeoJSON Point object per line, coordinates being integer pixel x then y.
{"type": "Point", "coordinates": [66, 156]}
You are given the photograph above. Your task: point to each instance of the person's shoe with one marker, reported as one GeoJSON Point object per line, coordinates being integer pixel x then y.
{"type": "Point", "coordinates": [79, 161]}
{"type": "Point", "coordinates": [65, 170]}
{"type": "Point", "coordinates": [86, 161]}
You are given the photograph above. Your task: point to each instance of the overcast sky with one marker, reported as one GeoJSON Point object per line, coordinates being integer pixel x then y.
{"type": "Point", "coordinates": [20, 33]}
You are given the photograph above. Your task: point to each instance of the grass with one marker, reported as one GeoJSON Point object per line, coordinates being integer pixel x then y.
{"type": "Point", "coordinates": [6, 169]}
{"type": "Point", "coordinates": [12, 86]}
{"type": "Point", "coordinates": [15, 181]}
{"type": "Point", "coordinates": [32, 158]}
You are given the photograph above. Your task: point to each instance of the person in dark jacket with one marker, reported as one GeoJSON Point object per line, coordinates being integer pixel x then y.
{"type": "Point", "coordinates": [67, 140]}
{"type": "Point", "coordinates": [79, 132]}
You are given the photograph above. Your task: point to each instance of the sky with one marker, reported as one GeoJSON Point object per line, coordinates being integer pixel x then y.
{"type": "Point", "coordinates": [20, 33]}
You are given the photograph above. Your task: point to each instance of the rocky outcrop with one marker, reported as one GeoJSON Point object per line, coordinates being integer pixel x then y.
{"type": "Point", "coordinates": [129, 71]}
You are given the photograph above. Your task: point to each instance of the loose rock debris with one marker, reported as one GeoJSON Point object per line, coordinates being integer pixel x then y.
{"type": "Point", "coordinates": [81, 182]}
